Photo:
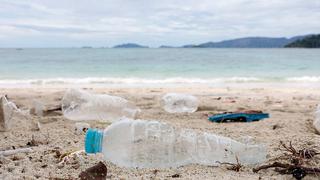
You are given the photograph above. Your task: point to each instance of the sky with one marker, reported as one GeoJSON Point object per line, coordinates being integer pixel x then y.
{"type": "Point", "coordinates": [104, 23]}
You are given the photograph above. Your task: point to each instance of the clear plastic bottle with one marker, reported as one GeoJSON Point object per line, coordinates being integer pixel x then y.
{"type": "Point", "coordinates": [80, 105]}
{"type": "Point", "coordinates": [179, 103]}
{"type": "Point", "coordinates": [151, 144]}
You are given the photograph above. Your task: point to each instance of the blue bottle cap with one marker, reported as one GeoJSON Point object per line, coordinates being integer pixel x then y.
{"type": "Point", "coordinates": [93, 141]}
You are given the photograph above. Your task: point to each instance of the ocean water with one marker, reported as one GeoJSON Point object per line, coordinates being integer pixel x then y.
{"type": "Point", "coordinates": [104, 66]}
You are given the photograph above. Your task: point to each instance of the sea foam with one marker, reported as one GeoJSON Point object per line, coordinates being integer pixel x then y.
{"type": "Point", "coordinates": [96, 80]}
{"type": "Point", "coordinates": [304, 79]}
{"type": "Point", "coordinates": [175, 81]}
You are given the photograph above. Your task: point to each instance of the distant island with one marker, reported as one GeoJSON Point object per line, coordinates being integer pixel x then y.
{"type": "Point", "coordinates": [248, 42]}
{"type": "Point", "coordinates": [312, 41]}
{"type": "Point", "coordinates": [165, 46]}
{"type": "Point", "coordinates": [189, 46]}
{"type": "Point", "coordinates": [130, 45]}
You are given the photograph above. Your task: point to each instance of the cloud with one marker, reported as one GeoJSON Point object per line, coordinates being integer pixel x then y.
{"type": "Point", "coordinates": [173, 22]}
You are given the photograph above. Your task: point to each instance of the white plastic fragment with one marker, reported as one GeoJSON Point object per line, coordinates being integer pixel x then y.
{"type": "Point", "coordinates": [80, 105]}
{"type": "Point", "coordinates": [179, 103]}
{"type": "Point", "coordinates": [15, 151]}
{"type": "Point", "coordinates": [72, 158]}
{"type": "Point", "coordinates": [80, 127]}
{"type": "Point", "coordinates": [37, 108]}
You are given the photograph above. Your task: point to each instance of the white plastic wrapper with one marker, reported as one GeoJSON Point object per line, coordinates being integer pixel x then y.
{"type": "Point", "coordinates": [180, 103]}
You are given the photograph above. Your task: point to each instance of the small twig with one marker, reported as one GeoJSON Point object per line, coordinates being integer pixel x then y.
{"type": "Point", "coordinates": [234, 167]}
{"type": "Point", "coordinates": [47, 138]}
{"type": "Point", "coordinates": [303, 153]}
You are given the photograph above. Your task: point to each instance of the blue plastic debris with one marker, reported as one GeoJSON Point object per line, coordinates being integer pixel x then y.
{"type": "Point", "coordinates": [238, 117]}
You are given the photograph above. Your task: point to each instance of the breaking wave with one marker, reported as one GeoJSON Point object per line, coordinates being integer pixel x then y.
{"type": "Point", "coordinates": [304, 79]}
{"type": "Point", "coordinates": [175, 80]}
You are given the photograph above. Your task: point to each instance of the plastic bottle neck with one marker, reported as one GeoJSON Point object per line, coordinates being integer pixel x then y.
{"type": "Point", "coordinates": [93, 141]}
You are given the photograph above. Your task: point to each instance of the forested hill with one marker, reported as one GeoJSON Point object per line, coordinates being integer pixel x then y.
{"type": "Point", "coordinates": [312, 41]}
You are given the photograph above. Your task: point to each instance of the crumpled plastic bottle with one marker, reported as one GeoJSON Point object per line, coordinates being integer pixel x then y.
{"type": "Point", "coordinates": [7, 109]}
{"type": "Point", "coordinates": [179, 103]}
{"type": "Point", "coordinates": [151, 144]}
{"type": "Point", "coordinates": [316, 122]}
{"type": "Point", "coordinates": [80, 105]}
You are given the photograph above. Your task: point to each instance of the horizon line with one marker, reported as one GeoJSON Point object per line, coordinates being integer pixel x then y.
{"type": "Point", "coordinates": [154, 47]}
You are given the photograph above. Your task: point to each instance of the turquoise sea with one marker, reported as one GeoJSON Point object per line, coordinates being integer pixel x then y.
{"type": "Point", "coordinates": [105, 66]}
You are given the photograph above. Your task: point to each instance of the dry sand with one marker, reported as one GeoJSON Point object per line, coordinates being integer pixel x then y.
{"type": "Point", "coordinates": [291, 111]}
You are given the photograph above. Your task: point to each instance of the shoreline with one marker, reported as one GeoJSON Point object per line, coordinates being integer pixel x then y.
{"type": "Point", "coordinates": [238, 85]}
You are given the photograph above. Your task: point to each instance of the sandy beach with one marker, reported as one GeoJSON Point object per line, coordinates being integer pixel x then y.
{"type": "Point", "coordinates": [291, 116]}
{"type": "Point", "coordinates": [171, 89]}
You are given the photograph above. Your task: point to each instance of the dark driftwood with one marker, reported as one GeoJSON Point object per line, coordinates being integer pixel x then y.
{"type": "Point", "coordinates": [52, 109]}
{"type": "Point", "coordinates": [288, 167]}
{"type": "Point", "coordinates": [45, 110]}
{"type": "Point", "coordinates": [293, 161]}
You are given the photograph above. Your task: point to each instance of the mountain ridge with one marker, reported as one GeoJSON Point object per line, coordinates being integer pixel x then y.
{"type": "Point", "coordinates": [245, 42]}
{"type": "Point", "coordinates": [249, 42]}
